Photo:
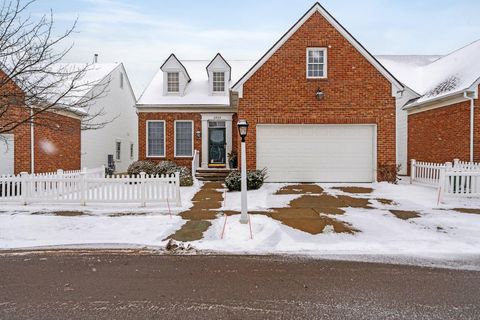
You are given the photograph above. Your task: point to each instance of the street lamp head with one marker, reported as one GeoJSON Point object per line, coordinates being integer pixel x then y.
{"type": "Point", "coordinates": [242, 128]}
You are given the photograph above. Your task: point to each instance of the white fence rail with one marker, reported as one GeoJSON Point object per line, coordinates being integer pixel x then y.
{"type": "Point", "coordinates": [90, 186]}
{"type": "Point", "coordinates": [426, 173]}
{"type": "Point", "coordinates": [459, 179]}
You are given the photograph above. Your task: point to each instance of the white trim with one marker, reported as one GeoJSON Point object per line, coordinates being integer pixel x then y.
{"type": "Point", "coordinates": [437, 104]}
{"type": "Point", "coordinates": [164, 139]}
{"type": "Point", "coordinates": [325, 62]}
{"type": "Point", "coordinates": [175, 138]}
{"type": "Point", "coordinates": [238, 87]}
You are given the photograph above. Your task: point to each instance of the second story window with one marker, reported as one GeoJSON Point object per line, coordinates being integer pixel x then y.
{"type": "Point", "coordinates": [173, 82]}
{"type": "Point", "coordinates": [219, 82]}
{"type": "Point", "coordinates": [316, 63]}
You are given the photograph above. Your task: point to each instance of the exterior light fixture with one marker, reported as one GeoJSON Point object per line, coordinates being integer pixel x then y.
{"type": "Point", "coordinates": [198, 134]}
{"type": "Point", "coordinates": [320, 94]}
{"type": "Point", "coordinates": [242, 130]}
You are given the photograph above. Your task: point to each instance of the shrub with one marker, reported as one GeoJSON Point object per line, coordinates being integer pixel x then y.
{"type": "Point", "coordinates": [388, 173]}
{"type": "Point", "coordinates": [141, 166]}
{"type": "Point", "coordinates": [164, 167]}
{"type": "Point", "coordinates": [255, 179]}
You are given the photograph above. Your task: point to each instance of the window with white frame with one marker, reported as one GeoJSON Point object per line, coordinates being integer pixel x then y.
{"type": "Point", "coordinates": [316, 63]}
{"type": "Point", "coordinates": [218, 82]}
{"type": "Point", "coordinates": [173, 82]}
{"type": "Point", "coordinates": [155, 138]}
{"type": "Point", "coordinates": [183, 138]}
{"type": "Point", "coordinates": [118, 150]}
{"type": "Point", "coordinates": [132, 150]}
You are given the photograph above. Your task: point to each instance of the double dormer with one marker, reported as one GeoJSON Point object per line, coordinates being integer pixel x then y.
{"type": "Point", "coordinates": [176, 79]}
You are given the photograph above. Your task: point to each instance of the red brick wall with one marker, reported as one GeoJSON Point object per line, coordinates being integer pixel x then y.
{"type": "Point", "coordinates": [443, 134]}
{"type": "Point", "coordinates": [57, 143]}
{"type": "Point", "coordinates": [355, 91]}
{"type": "Point", "coordinates": [170, 136]}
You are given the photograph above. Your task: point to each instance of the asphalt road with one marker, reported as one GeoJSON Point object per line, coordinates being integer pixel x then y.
{"type": "Point", "coordinates": [102, 285]}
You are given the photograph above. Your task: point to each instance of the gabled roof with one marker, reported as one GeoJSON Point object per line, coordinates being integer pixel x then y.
{"type": "Point", "coordinates": [218, 55]}
{"type": "Point", "coordinates": [172, 56]}
{"type": "Point", "coordinates": [317, 7]}
{"type": "Point", "coordinates": [453, 74]}
{"type": "Point", "coordinates": [197, 92]}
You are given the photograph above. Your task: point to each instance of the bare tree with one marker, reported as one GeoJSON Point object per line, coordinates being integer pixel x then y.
{"type": "Point", "coordinates": [33, 81]}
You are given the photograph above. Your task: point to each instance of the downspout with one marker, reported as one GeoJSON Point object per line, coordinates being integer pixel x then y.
{"type": "Point", "coordinates": [32, 143]}
{"type": "Point", "coordinates": [472, 116]}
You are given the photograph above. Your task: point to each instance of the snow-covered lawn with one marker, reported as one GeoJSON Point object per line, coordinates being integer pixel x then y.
{"type": "Point", "coordinates": [439, 231]}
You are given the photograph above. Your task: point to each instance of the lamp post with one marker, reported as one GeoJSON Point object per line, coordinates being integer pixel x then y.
{"type": "Point", "coordinates": [242, 130]}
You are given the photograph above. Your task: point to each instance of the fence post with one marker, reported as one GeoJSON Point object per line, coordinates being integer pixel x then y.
{"type": "Point", "coordinates": [83, 187]}
{"type": "Point", "coordinates": [24, 187]}
{"type": "Point", "coordinates": [177, 189]}
{"type": "Point", "coordinates": [455, 163]}
{"type": "Point", "coordinates": [441, 182]}
{"type": "Point", "coordinates": [412, 170]}
{"type": "Point", "coordinates": [60, 182]}
{"type": "Point", "coordinates": [143, 190]}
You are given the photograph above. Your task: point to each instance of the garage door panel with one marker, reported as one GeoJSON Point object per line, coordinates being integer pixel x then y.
{"type": "Point", "coordinates": [316, 153]}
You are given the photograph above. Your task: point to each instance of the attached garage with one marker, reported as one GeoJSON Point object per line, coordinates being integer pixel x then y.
{"type": "Point", "coordinates": [317, 153]}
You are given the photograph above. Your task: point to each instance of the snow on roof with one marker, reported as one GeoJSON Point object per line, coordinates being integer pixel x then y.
{"type": "Point", "coordinates": [91, 75]}
{"type": "Point", "coordinates": [197, 91]}
{"type": "Point", "coordinates": [406, 68]}
{"type": "Point", "coordinates": [435, 77]}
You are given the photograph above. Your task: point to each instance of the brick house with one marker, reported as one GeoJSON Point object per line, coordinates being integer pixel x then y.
{"type": "Point", "coordinates": [56, 141]}
{"type": "Point", "coordinates": [443, 115]}
{"type": "Point", "coordinates": [53, 142]}
{"type": "Point", "coordinates": [319, 105]}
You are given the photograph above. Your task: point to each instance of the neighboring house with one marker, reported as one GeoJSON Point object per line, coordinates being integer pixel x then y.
{"type": "Point", "coordinates": [443, 116]}
{"type": "Point", "coordinates": [319, 105]}
{"type": "Point", "coordinates": [58, 141]}
{"type": "Point", "coordinates": [52, 143]}
{"type": "Point", "coordinates": [118, 138]}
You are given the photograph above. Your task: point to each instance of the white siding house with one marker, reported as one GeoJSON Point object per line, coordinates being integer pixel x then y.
{"type": "Point", "coordinates": [118, 137]}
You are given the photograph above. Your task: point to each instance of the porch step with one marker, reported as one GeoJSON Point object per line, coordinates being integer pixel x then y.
{"type": "Point", "coordinates": [212, 174]}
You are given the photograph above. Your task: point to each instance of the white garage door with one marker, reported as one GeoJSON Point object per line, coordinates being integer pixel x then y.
{"type": "Point", "coordinates": [6, 154]}
{"type": "Point", "coordinates": [317, 153]}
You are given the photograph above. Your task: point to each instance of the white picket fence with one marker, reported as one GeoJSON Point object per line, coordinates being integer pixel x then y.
{"type": "Point", "coordinates": [90, 186]}
{"type": "Point", "coordinates": [425, 173]}
{"type": "Point", "coordinates": [195, 162]}
{"type": "Point", "coordinates": [457, 179]}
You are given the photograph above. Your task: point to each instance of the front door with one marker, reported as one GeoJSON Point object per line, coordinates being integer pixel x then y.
{"type": "Point", "coordinates": [216, 147]}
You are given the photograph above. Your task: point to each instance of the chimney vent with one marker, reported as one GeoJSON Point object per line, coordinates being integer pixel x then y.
{"type": "Point", "coordinates": [95, 58]}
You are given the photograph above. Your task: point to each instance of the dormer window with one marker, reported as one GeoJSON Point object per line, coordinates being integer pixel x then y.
{"type": "Point", "coordinates": [218, 81]}
{"type": "Point", "coordinates": [173, 82]}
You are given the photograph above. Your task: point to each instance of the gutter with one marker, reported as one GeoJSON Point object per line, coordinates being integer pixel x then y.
{"type": "Point", "coordinates": [472, 117]}
{"type": "Point", "coordinates": [32, 142]}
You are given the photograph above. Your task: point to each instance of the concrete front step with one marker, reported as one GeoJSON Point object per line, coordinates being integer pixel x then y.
{"type": "Point", "coordinates": [212, 174]}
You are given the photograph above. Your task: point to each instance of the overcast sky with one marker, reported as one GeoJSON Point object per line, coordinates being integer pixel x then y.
{"type": "Point", "coordinates": [142, 33]}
